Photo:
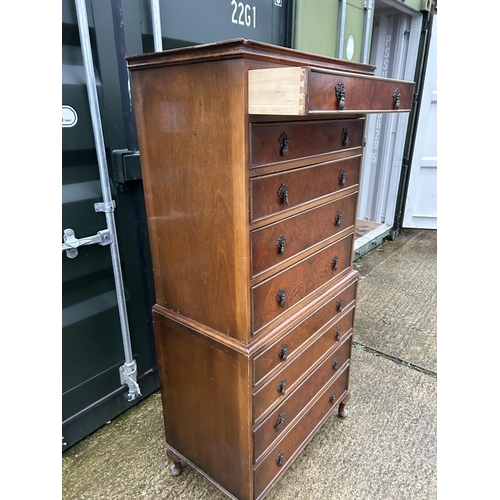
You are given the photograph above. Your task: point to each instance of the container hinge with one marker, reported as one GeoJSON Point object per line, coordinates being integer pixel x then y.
{"type": "Point", "coordinates": [105, 207]}
{"type": "Point", "coordinates": [415, 98]}
{"type": "Point", "coordinates": [71, 242]}
{"type": "Point", "coordinates": [128, 376]}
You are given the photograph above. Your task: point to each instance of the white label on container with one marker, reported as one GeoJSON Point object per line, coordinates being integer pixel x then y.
{"type": "Point", "coordinates": [69, 116]}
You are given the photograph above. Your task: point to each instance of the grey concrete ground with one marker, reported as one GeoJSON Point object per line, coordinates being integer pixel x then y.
{"type": "Point", "coordinates": [385, 449]}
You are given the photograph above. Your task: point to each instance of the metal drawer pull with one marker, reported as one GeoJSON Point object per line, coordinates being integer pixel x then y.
{"type": "Point", "coordinates": [345, 136]}
{"type": "Point", "coordinates": [337, 334]}
{"type": "Point", "coordinates": [332, 397]}
{"type": "Point", "coordinates": [281, 297]}
{"type": "Point", "coordinates": [335, 262]}
{"type": "Point", "coordinates": [280, 243]}
{"type": "Point", "coordinates": [284, 140]}
{"type": "Point", "coordinates": [396, 96]}
{"type": "Point", "coordinates": [281, 420]}
{"type": "Point", "coordinates": [339, 305]}
{"type": "Point", "coordinates": [338, 218]}
{"type": "Point", "coordinates": [281, 386]}
{"type": "Point", "coordinates": [340, 93]}
{"type": "Point", "coordinates": [282, 352]}
{"type": "Point", "coordinates": [335, 364]}
{"type": "Point", "coordinates": [283, 193]}
{"type": "Point", "coordinates": [342, 177]}
{"type": "Point", "coordinates": [280, 459]}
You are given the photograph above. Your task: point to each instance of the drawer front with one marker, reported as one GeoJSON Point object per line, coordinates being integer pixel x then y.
{"type": "Point", "coordinates": [275, 296]}
{"type": "Point", "coordinates": [276, 243]}
{"type": "Point", "coordinates": [302, 185]}
{"type": "Point", "coordinates": [284, 351]}
{"type": "Point", "coordinates": [278, 460]}
{"type": "Point", "coordinates": [358, 94]}
{"type": "Point", "coordinates": [279, 142]}
{"type": "Point", "coordinates": [298, 396]}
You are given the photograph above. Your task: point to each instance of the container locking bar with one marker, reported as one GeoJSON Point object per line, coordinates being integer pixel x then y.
{"type": "Point", "coordinates": [71, 242]}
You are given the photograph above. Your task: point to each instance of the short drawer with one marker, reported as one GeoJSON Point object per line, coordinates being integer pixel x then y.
{"type": "Point", "coordinates": [275, 296]}
{"type": "Point", "coordinates": [283, 453]}
{"type": "Point", "coordinates": [298, 395]}
{"type": "Point", "coordinates": [285, 141]}
{"type": "Point", "coordinates": [287, 348]}
{"type": "Point", "coordinates": [276, 243]}
{"type": "Point", "coordinates": [283, 191]}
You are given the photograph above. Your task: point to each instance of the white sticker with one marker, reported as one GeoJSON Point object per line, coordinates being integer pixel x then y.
{"type": "Point", "coordinates": [69, 116]}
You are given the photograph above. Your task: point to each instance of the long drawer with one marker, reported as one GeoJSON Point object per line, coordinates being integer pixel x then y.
{"type": "Point", "coordinates": [308, 90]}
{"type": "Point", "coordinates": [280, 192]}
{"type": "Point", "coordinates": [280, 456]}
{"type": "Point", "coordinates": [285, 141]}
{"type": "Point", "coordinates": [276, 295]}
{"type": "Point", "coordinates": [276, 243]}
{"type": "Point", "coordinates": [298, 395]}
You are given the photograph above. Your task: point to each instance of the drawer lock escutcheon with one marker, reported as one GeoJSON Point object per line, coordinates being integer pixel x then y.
{"type": "Point", "coordinates": [281, 386]}
{"type": "Point", "coordinates": [282, 352]}
{"type": "Point", "coordinates": [342, 177]}
{"type": "Point", "coordinates": [280, 297]}
{"type": "Point", "coordinates": [280, 459]}
{"type": "Point", "coordinates": [340, 93]}
{"type": "Point", "coordinates": [335, 364]}
{"type": "Point", "coordinates": [337, 334]}
{"type": "Point", "coordinates": [280, 243]}
{"type": "Point", "coordinates": [281, 421]}
{"type": "Point", "coordinates": [284, 141]}
{"type": "Point", "coordinates": [339, 305]}
{"type": "Point", "coordinates": [338, 218]}
{"type": "Point", "coordinates": [396, 96]}
{"type": "Point", "coordinates": [332, 397]}
{"type": "Point", "coordinates": [283, 193]}
{"type": "Point", "coordinates": [345, 136]}
{"type": "Point", "coordinates": [335, 262]}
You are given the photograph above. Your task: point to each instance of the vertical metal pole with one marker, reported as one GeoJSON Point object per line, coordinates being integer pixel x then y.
{"type": "Point", "coordinates": [155, 11]}
{"type": "Point", "coordinates": [368, 24]}
{"type": "Point", "coordinates": [343, 8]}
{"type": "Point", "coordinates": [128, 371]}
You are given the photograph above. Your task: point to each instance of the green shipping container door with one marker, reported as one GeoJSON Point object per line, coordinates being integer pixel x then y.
{"type": "Point", "coordinates": [320, 23]}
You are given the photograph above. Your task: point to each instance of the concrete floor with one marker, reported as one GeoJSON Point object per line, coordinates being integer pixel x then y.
{"type": "Point", "coordinates": [385, 449]}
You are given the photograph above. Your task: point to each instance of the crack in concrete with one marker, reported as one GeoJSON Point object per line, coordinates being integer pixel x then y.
{"type": "Point", "coordinates": [398, 361]}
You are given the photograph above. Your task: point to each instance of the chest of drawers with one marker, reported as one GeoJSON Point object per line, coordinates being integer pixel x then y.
{"type": "Point", "coordinates": [251, 158]}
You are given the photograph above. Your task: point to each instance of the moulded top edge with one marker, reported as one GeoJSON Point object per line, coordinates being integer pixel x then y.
{"type": "Point", "coordinates": [244, 48]}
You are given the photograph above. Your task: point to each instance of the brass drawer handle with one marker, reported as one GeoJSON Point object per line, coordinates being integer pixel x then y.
{"type": "Point", "coordinates": [280, 243]}
{"type": "Point", "coordinates": [335, 262]}
{"type": "Point", "coordinates": [280, 297]}
{"type": "Point", "coordinates": [396, 97]}
{"type": "Point", "coordinates": [345, 136]}
{"type": "Point", "coordinates": [337, 334]}
{"type": "Point", "coordinates": [284, 141]}
{"type": "Point", "coordinates": [332, 397]}
{"type": "Point", "coordinates": [282, 352]}
{"type": "Point", "coordinates": [281, 386]}
{"type": "Point", "coordinates": [280, 459]}
{"type": "Point", "coordinates": [338, 218]}
{"type": "Point", "coordinates": [281, 421]}
{"type": "Point", "coordinates": [339, 305]}
{"type": "Point", "coordinates": [335, 364]}
{"type": "Point", "coordinates": [340, 94]}
{"type": "Point", "coordinates": [342, 177]}
{"type": "Point", "coordinates": [283, 193]}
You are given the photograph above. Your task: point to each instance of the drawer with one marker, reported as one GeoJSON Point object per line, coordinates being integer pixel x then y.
{"type": "Point", "coordinates": [285, 141]}
{"type": "Point", "coordinates": [305, 91]}
{"type": "Point", "coordinates": [276, 243]}
{"type": "Point", "coordinates": [302, 185]}
{"type": "Point", "coordinates": [281, 456]}
{"type": "Point", "coordinates": [296, 394]}
{"type": "Point", "coordinates": [285, 349]}
{"type": "Point", "coordinates": [275, 296]}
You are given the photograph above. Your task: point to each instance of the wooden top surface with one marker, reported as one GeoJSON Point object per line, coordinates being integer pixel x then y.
{"type": "Point", "coordinates": [243, 48]}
